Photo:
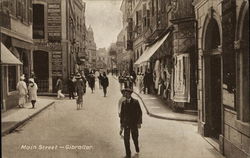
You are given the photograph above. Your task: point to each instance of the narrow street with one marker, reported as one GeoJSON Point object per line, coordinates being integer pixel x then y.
{"type": "Point", "coordinates": [56, 131]}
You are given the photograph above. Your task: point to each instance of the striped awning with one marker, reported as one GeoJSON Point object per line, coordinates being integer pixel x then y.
{"type": "Point", "coordinates": [7, 58]}
{"type": "Point", "coordinates": [151, 50]}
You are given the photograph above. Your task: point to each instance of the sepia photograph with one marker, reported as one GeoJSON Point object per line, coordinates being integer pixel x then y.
{"type": "Point", "coordinates": [125, 78]}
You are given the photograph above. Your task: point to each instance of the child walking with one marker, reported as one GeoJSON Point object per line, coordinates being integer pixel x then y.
{"type": "Point", "coordinates": [32, 88]}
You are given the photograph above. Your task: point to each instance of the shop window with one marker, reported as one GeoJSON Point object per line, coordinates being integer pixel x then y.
{"type": "Point", "coordinates": [229, 80]}
{"type": "Point", "coordinates": [12, 78]}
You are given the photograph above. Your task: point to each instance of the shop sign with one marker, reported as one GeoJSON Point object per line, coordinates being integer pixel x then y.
{"type": "Point", "coordinates": [54, 22]}
{"type": "Point", "coordinates": [57, 63]}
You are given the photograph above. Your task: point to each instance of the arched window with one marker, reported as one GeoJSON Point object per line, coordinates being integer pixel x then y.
{"type": "Point", "coordinates": [213, 34]}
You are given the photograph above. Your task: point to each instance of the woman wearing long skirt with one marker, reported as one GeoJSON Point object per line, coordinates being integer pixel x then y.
{"type": "Point", "coordinates": [22, 91]}
{"type": "Point", "coordinates": [79, 84]}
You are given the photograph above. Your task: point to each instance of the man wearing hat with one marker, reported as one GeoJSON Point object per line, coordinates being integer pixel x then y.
{"type": "Point", "coordinates": [131, 120]}
{"type": "Point", "coordinates": [79, 88]}
{"type": "Point", "coordinates": [71, 87]}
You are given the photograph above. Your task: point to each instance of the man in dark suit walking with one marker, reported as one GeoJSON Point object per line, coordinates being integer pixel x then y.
{"type": "Point", "coordinates": [131, 120]}
{"type": "Point", "coordinates": [104, 83]}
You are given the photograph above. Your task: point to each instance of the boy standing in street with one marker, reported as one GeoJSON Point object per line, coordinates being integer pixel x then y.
{"type": "Point", "coordinates": [131, 120]}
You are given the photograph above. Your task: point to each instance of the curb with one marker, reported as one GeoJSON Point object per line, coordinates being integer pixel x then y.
{"type": "Point", "coordinates": [9, 130]}
{"type": "Point", "coordinates": [158, 116]}
{"type": "Point", "coordinates": [162, 117]}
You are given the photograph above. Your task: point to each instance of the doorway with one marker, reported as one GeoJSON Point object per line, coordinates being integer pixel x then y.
{"type": "Point", "coordinates": [215, 96]}
{"type": "Point", "coordinates": [213, 81]}
{"type": "Point", "coordinates": [41, 70]}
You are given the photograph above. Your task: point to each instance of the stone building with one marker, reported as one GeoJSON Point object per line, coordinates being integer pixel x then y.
{"type": "Point", "coordinates": [77, 35]}
{"type": "Point", "coordinates": [91, 48]}
{"type": "Point", "coordinates": [58, 33]}
{"type": "Point", "coordinates": [223, 70]}
{"type": "Point", "coordinates": [163, 37]}
{"type": "Point", "coordinates": [101, 59]}
{"type": "Point", "coordinates": [16, 47]}
{"type": "Point", "coordinates": [126, 37]}
{"type": "Point", "coordinates": [184, 55]}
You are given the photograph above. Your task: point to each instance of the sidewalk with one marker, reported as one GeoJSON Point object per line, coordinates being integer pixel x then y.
{"type": "Point", "coordinates": [13, 118]}
{"type": "Point", "coordinates": [156, 107]}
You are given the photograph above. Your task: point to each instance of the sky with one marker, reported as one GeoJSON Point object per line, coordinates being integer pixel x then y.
{"type": "Point", "coordinates": [105, 18]}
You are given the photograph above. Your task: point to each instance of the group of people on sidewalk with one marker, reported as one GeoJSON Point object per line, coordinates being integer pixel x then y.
{"type": "Point", "coordinates": [27, 91]}
{"type": "Point", "coordinates": [147, 82]}
{"type": "Point", "coordinates": [77, 84]}
{"type": "Point", "coordinates": [143, 81]}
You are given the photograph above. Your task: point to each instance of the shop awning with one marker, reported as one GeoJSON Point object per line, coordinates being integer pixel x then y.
{"type": "Point", "coordinates": [151, 50]}
{"type": "Point", "coordinates": [7, 57]}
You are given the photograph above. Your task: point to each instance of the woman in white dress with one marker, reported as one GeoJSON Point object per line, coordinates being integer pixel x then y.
{"type": "Point", "coordinates": [22, 91]}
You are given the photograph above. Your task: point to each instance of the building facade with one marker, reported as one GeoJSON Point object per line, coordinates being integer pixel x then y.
{"type": "Point", "coordinates": [101, 59]}
{"type": "Point", "coordinates": [223, 70]}
{"type": "Point", "coordinates": [91, 49]}
{"type": "Point", "coordinates": [59, 35]}
{"type": "Point", "coordinates": [163, 41]}
{"type": "Point", "coordinates": [16, 40]}
{"type": "Point", "coordinates": [77, 35]}
{"type": "Point", "coordinates": [126, 37]}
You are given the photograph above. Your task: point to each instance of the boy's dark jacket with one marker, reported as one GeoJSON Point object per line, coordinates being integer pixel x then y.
{"type": "Point", "coordinates": [131, 114]}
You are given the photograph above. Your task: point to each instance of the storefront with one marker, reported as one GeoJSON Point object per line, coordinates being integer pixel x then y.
{"type": "Point", "coordinates": [10, 68]}
{"type": "Point", "coordinates": [157, 59]}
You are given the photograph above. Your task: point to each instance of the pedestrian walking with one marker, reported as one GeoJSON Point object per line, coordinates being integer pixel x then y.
{"type": "Point", "coordinates": [140, 82]}
{"type": "Point", "coordinates": [22, 91]}
{"type": "Point", "coordinates": [104, 83]}
{"type": "Point", "coordinates": [131, 120]}
{"type": "Point", "coordinates": [133, 74]}
{"type": "Point", "coordinates": [59, 87]}
{"type": "Point", "coordinates": [84, 82]}
{"type": "Point", "coordinates": [128, 81]}
{"type": "Point", "coordinates": [91, 80]}
{"type": "Point", "coordinates": [32, 88]}
{"type": "Point", "coordinates": [147, 82]}
{"type": "Point", "coordinates": [100, 79]}
{"type": "Point", "coordinates": [71, 87]}
{"type": "Point", "coordinates": [121, 80]}
{"type": "Point", "coordinates": [79, 88]}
